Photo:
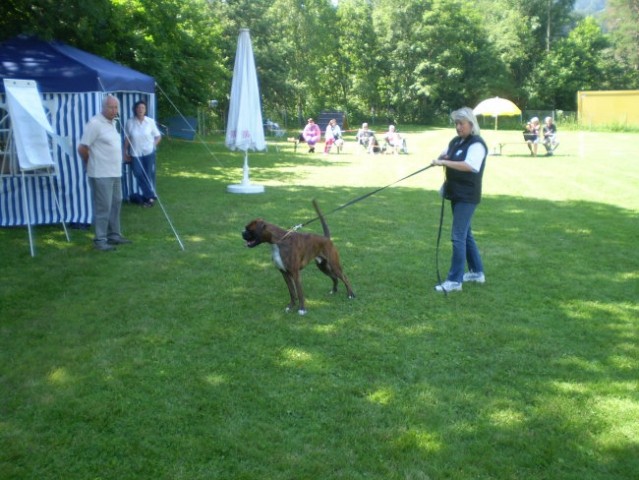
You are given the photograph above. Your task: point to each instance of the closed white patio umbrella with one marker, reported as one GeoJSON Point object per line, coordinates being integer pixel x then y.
{"type": "Point", "coordinates": [244, 129]}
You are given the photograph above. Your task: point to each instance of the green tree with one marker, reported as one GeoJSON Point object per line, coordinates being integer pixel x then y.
{"type": "Point", "coordinates": [409, 61]}
{"type": "Point", "coordinates": [522, 32]}
{"type": "Point", "coordinates": [443, 63]}
{"type": "Point", "coordinates": [86, 25]}
{"type": "Point", "coordinates": [479, 69]}
{"type": "Point", "coordinates": [175, 41]}
{"type": "Point", "coordinates": [622, 20]}
{"type": "Point", "coordinates": [357, 73]}
{"type": "Point", "coordinates": [302, 38]}
{"type": "Point", "coordinates": [582, 61]}
{"type": "Point", "coordinates": [401, 49]}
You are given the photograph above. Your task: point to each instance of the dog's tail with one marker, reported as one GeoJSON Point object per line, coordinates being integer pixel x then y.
{"type": "Point", "coordinates": [327, 232]}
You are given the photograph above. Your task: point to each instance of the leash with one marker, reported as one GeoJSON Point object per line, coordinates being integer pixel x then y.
{"type": "Point", "coordinates": [359, 199]}
{"type": "Point", "coordinates": [439, 237]}
{"type": "Point", "coordinates": [370, 194]}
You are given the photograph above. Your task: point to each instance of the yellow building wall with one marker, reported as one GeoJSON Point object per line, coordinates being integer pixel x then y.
{"type": "Point", "coordinates": [610, 107]}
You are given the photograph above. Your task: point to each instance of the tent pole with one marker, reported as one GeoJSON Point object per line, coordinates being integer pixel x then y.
{"type": "Point", "coordinates": [129, 178]}
{"type": "Point", "coordinates": [57, 204]}
{"type": "Point", "coordinates": [27, 214]}
{"type": "Point", "coordinates": [166, 215]}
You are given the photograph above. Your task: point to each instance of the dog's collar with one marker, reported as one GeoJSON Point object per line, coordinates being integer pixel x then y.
{"type": "Point", "coordinates": [290, 231]}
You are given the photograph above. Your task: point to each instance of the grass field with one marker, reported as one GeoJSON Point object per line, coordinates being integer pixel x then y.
{"type": "Point", "coordinates": [157, 363]}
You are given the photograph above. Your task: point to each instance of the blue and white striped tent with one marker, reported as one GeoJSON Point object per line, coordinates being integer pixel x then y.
{"type": "Point", "coordinates": [72, 84]}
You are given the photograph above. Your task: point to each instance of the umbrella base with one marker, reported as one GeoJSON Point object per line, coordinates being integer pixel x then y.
{"type": "Point", "coordinates": [245, 188]}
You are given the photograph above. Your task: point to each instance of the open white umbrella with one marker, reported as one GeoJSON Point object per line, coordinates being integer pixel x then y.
{"type": "Point", "coordinates": [244, 129]}
{"type": "Point", "coordinates": [496, 107]}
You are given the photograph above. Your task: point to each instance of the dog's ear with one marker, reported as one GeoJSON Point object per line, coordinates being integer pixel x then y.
{"type": "Point", "coordinates": [252, 225]}
{"type": "Point", "coordinates": [262, 231]}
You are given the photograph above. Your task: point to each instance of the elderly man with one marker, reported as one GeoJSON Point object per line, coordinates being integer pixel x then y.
{"type": "Point", "coordinates": [366, 138]}
{"type": "Point", "coordinates": [101, 151]}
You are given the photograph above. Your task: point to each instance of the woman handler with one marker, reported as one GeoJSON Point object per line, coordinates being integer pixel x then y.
{"type": "Point", "coordinates": [464, 161]}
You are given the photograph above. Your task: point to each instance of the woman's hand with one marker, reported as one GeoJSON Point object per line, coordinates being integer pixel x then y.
{"type": "Point", "coordinates": [439, 161]}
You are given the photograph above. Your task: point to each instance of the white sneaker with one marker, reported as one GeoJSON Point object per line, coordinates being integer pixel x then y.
{"type": "Point", "coordinates": [448, 286]}
{"type": "Point", "coordinates": [477, 277]}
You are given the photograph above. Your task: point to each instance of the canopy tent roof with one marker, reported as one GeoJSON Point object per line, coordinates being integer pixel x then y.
{"type": "Point", "coordinates": [58, 67]}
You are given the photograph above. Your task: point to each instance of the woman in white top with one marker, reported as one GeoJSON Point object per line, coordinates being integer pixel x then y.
{"type": "Point", "coordinates": [393, 140]}
{"type": "Point", "coordinates": [142, 138]}
{"type": "Point", "coordinates": [333, 135]}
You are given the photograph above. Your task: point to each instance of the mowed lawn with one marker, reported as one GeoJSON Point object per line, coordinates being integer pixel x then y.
{"type": "Point", "coordinates": [154, 362]}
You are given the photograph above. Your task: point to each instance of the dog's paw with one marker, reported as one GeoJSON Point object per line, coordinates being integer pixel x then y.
{"type": "Point", "coordinates": [351, 296]}
{"type": "Point", "coordinates": [302, 312]}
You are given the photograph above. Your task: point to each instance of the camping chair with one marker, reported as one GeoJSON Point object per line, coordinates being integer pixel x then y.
{"type": "Point", "coordinates": [366, 139]}
{"type": "Point", "coordinates": [394, 148]}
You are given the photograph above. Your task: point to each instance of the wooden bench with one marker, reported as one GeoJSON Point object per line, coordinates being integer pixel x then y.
{"type": "Point", "coordinates": [295, 141]}
{"type": "Point", "coordinates": [500, 146]}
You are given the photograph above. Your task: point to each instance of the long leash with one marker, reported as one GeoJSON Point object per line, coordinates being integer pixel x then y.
{"type": "Point", "coordinates": [369, 194]}
{"type": "Point", "coordinates": [360, 198]}
{"type": "Point", "coordinates": [439, 237]}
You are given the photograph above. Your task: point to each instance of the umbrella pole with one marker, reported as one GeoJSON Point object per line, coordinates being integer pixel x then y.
{"type": "Point", "coordinates": [245, 178]}
{"type": "Point", "coordinates": [245, 186]}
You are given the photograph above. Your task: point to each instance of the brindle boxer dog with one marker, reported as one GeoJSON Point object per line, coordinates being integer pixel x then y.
{"type": "Point", "coordinates": [292, 251]}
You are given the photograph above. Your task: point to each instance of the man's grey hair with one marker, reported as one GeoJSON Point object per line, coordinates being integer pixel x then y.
{"type": "Point", "coordinates": [467, 114]}
{"type": "Point", "coordinates": [106, 98]}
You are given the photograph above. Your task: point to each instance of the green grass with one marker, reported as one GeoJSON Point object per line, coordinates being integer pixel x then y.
{"type": "Point", "coordinates": [157, 363]}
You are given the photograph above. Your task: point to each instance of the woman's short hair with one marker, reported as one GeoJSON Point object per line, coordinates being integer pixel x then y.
{"type": "Point", "coordinates": [137, 104]}
{"type": "Point", "coordinates": [467, 114]}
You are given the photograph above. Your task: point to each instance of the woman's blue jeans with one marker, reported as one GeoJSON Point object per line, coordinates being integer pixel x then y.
{"type": "Point", "coordinates": [464, 247]}
{"type": "Point", "coordinates": [144, 171]}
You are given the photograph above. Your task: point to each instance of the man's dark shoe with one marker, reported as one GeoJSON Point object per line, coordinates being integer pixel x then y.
{"type": "Point", "coordinates": [118, 241]}
{"type": "Point", "coordinates": [104, 247]}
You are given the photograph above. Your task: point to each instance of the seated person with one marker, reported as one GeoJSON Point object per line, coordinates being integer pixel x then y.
{"type": "Point", "coordinates": [332, 136]}
{"type": "Point", "coordinates": [550, 136]}
{"type": "Point", "coordinates": [531, 135]}
{"type": "Point", "coordinates": [393, 141]}
{"type": "Point", "coordinates": [364, 136]}
{"type": "Point", "coordinates": [311, 134]}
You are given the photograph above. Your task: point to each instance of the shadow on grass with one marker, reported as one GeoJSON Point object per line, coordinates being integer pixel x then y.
{"type": "Point", "coordinates": [184, 362]}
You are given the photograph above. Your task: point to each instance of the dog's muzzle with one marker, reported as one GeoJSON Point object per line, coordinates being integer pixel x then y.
{"type": "Point", "coordinates": [250, 238]}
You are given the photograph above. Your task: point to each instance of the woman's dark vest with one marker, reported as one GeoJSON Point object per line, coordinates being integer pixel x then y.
{"type": "Point", "coordinates": [463, 186]}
